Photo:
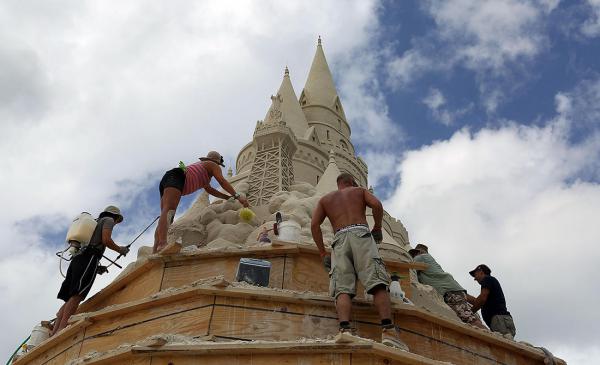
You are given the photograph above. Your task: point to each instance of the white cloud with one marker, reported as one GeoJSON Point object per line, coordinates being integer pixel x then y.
{"type": "Point", "coordinates": [404, 69]}
{"type": "Point", "coordinates": [591, 27]}
{"type": "Point", "coordinates": [515, 198]}
{"type": "Point", "coordinates": [435, 99]}
{"type": "Point", "coordinates": [486, 35]}
{"type": "Point", "coordinates": [105, 97]}
{"type": "Point", "coordinates": [495, 39]}
{"type": "Point", "coordinates": [436, 102]}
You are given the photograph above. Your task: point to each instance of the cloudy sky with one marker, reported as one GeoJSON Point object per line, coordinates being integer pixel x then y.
{"type": "Point", "coordinates": [483, 117]}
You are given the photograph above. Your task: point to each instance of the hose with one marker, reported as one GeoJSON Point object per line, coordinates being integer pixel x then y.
{"type": "Point", "coordinates": [17, 350]}
{"type": "Point", "coordinates": [61, 258]}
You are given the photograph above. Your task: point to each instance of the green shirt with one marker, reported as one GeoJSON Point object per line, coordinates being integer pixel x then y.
{"type": "Point", "coordinates": [435, 276]}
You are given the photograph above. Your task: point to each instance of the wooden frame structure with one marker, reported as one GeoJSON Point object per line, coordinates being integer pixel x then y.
{"type": "Point", "coordinates": [193, 295]}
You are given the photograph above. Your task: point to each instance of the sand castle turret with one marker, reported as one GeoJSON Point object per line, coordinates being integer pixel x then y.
{"type": "Point", "coordinates": [188, 307]}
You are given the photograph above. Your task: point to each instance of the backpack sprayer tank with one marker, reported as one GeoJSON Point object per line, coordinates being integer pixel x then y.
{"type": "Point", "coordinates": [80, 232]}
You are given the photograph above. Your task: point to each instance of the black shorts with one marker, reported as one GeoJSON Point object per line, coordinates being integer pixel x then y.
{"type": "Point", "coordinates": [80, 275]}
{"type": "Point", "coordinates": [174, 178]}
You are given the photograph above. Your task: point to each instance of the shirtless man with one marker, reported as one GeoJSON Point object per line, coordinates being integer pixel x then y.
{"type": "Point", "coordinates": [355, 253]}
{"type": "Point", "coordinates": [185, 180]}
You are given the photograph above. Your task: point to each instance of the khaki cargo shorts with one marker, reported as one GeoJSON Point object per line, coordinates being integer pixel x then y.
{"type": "Point", "coordinates": [355, 255]}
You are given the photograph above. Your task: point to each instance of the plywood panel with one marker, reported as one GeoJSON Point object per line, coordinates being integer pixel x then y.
{"type": "Point", "coordinates": [146, 284]}
{"type": "Point", "coordinates": [369, 359]}
{"type": "Point", "coordinates": [190, 323]}
{"type": "Point", "coordinates": [240, 318]}
{"type": "Point", "coordinates": [305, 272]}
{"type": "Point", "coordinates": [187, 272]}
{"type": "Point", "coordinates": [263, 359]}
{"type": "Point", "coordinates": [66, 356]}
{"type": "Point", "coordinates": [276, 274]}
{"type": "Point", "coordinates": [444, 344]}
{"type": "Point", "coordinates": [131, 318]}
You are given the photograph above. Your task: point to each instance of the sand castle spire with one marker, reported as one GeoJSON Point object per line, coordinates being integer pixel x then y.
{"type": "Point", "coordinates": [286, 107]}
{"type": "Point", "coordinates": [320, 91]}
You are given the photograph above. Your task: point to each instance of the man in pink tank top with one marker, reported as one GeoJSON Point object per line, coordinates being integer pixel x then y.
{"type": "Point", "coordinates": [184, 181]}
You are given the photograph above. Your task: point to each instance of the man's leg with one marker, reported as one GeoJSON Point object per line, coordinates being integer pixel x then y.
{"type": "Point", "coordinates": [68, 309]}
{"type": "Point", "coordinates": [343, 306]}
{"type": "Point", "coordinates": [381, 299]}
{"type": "Point", "coordinates": [58, 319]}
{"type": "Point", "coordinates": [169, 201]}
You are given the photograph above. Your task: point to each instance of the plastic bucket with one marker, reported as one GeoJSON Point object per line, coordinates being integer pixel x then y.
{"type": "Point", "coordinates": [289, 231]}
{"type": "Point", "coordinates": [38, 335]}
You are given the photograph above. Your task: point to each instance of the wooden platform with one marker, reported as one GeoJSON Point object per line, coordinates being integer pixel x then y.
{"type": "Point", "coordinates": [179, 294]}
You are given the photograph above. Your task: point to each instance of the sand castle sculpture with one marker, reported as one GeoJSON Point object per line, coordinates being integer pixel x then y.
{"type": "Point", "coordinates": [184, 306]}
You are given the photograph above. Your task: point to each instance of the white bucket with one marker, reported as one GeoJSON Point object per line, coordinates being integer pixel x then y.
{"type": "Point", "coordinates": [289, 231]}
{"type": "Point", "coordinates": [38, 335]}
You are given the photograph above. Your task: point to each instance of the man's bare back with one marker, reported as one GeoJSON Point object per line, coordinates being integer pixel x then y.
{"type": "Point", "coordinates": [345, 207]}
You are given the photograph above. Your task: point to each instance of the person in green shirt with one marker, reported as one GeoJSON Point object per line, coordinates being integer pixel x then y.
{"type": "Point", "coordinates": [455, 296]}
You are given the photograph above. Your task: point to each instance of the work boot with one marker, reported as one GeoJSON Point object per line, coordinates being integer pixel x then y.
{"type": "Point", "coordinates": [391, 337]}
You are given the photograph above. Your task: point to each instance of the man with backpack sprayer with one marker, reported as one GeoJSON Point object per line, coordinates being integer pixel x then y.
{"type": "Point", "coordinates": [84, 266]}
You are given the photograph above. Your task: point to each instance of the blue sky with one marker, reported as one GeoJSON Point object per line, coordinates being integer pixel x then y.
{"type": "Point", "coordinates": [479, 121]}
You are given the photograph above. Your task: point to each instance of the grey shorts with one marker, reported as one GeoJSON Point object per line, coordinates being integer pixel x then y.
{"type": "Point", "coordinates": [503, 324]}
{"type": "Point", "coordinates": [355, 255]}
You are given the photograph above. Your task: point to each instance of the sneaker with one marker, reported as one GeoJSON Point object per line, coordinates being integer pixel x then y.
{"type": "Point", "coordinates": [391, 337]}
{"type": "Point", "coordinates": [345, 335]}
{"type": "Point", "coordinates": [351, 331]}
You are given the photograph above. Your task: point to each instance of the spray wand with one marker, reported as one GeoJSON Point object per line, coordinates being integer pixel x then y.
{"type": "Point", "coordinates": [113, 262]}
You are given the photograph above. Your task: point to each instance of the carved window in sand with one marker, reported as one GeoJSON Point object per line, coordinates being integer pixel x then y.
{"type": "Point", "coordinates": [343, 144]}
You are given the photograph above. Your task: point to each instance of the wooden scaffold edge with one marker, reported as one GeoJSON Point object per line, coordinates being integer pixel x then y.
{"type": "Point", "coordinates": [275, 295]}
{"type": "Point", "coordinates": [359, 346]}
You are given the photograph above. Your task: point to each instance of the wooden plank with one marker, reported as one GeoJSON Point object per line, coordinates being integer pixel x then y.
{"type": "Point", "coordinates": [266, 359]}
{"type": "Point", "coordinates": [188, 272]}
{"type": "Point", "coordinates": [138, 315]}
{"type": "Point", "coordinates": [53, 346]}
{"type": "Point", "coordinates": [268, 320]}
{"type": "Point", "coordinates": [444, 344]}
{"type": "Point", "coordinates": [92, 303]}
{"type": "Point", "coordinates": [257, 251]}
{"type": "Point", "coordinates": [64, 357]}
{"type": "Point", "coordinates": [305, 272]}
{"type": "Point", "coordinates": [190, 323]}
{"type": "Point", "coordinates": [249, 348]}
{"type": "Point", "coordinates": [114, 357]}
{"type": "Point", "coordinates": [145, 285]}
{"type": "Point", "coordinates": [276, 273]}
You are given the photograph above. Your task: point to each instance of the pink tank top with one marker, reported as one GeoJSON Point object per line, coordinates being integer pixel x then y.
{"type": "Point", "coordinates": [196, 177]}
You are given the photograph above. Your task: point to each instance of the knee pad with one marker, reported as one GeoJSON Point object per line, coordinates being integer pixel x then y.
{"type": "Point", "coordinates": [170, 216]}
